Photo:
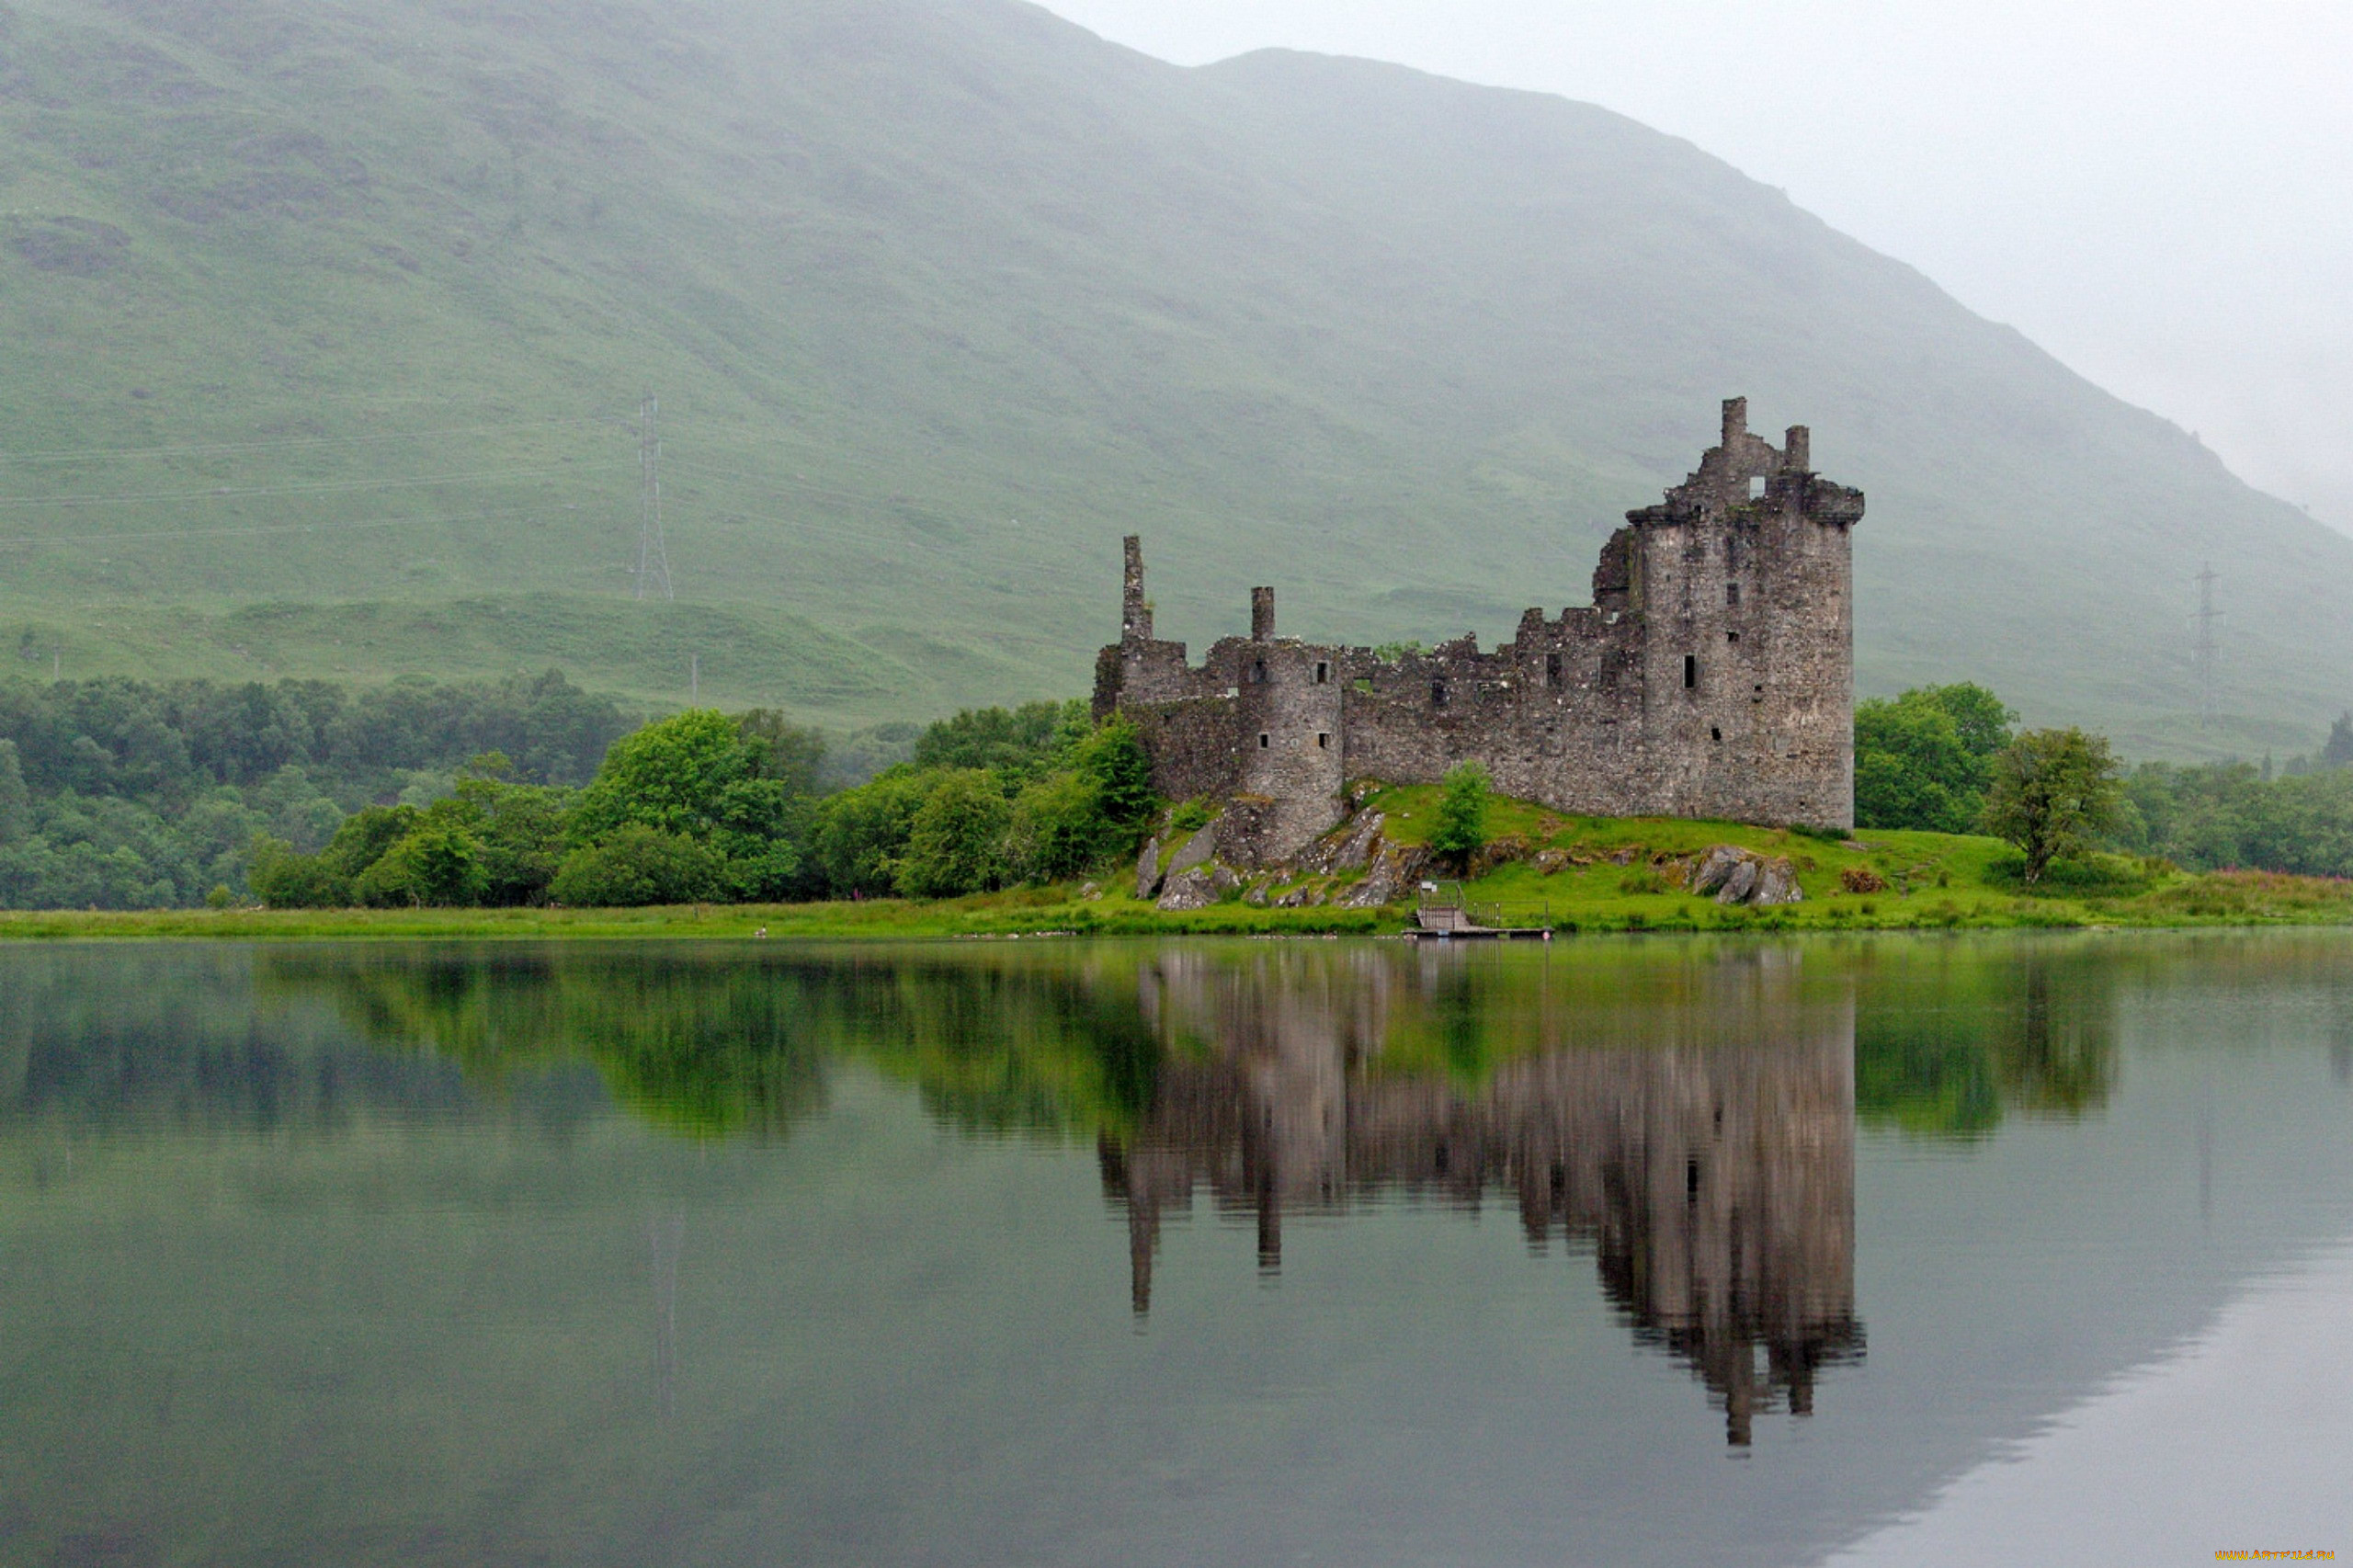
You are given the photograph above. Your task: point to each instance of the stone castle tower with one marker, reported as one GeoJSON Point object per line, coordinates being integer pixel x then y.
{"type": "Point", "coordinates": [1711, 676]}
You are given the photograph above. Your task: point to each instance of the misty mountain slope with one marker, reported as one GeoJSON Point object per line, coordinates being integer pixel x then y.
{"type": "Point", "coordinates": [940, 297]}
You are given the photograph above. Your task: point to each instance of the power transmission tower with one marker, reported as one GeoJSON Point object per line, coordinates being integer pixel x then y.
{"type": "Point", "coordinates": [2204, 650]}
{"type": "Point", "coordinates": [653, 555]}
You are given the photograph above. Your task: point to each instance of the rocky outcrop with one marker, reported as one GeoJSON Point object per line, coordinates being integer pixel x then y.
{"type": "Point", "coordinates": [1390, 878]}
{"type": "Point", "coordinates": [1197, 887]}
{"type": "Point", "coordinates": [1197, 850]}
{"type": "Point", "coordinates": [1148, 868]}
{"type": "Point", "coordinates": [1742, 876]}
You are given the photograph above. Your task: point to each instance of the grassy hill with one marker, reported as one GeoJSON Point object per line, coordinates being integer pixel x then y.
{"type": "Point", "coordinates": [328, 325]}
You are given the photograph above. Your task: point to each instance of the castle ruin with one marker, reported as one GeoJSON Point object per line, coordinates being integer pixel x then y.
{"type": "Point", "coordinates": [1711, 676]}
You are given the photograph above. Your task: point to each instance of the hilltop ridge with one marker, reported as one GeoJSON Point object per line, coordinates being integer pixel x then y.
{"type": "Point", "coordinates": [330, 324]}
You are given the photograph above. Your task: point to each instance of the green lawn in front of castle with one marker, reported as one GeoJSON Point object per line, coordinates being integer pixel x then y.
{"type": "Point", "coordinates": [1607, 875]}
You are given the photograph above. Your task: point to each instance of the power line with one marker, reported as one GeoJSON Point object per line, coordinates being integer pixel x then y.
{"type": "Point", "coordinates": [652, 551]}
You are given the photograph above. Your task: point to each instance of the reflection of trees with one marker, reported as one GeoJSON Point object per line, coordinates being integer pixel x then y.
{"type": "Point", "coordinates": [734, 1042]}
{"type": "Point", "coordinates": [1705, 1153]}
{"type": "Point", "coordinates": [1948, 1046]}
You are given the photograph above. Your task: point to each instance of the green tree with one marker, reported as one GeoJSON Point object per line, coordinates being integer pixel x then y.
{"type": "Point", "coordinates": [784, 751]}
{"type": "Point", "coordinates": [15, 800]}
{"type": "Point", "coordinates": [638, 865]}
{"type": "Point", "coordinates": [1461, 830]}
{"type": "Point", "coordinates": [1026, 741]}
{"type": "Point", "coordinates": [1113, 757]}
{"type": "Point", "coordinates": [2338, 751]}
{"type": "Point", "coordinates": [1923, 759]}
{"type": "Point", "coordinates": [956, 841]}
{"type": "Point", "coordinates": [2053, 793]}
{"type": "Point", "coordinates": [283, 879]}
{"type": "Point", "coordinates": [861, 833]}
{"type": "Point", "coordinates": [669, 776]}
{"type": "Point", "coordinates": [437, 864]}
{"type": "Point", "coordinates": [1058, 828]}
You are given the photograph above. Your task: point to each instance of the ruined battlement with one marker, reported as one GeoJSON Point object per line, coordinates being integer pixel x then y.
{"type": "Point", "coordinates": [1711, 676]}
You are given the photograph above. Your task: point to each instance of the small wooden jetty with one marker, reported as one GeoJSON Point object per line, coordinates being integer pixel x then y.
{"type": "Point", "coordinates": [1441, 913]}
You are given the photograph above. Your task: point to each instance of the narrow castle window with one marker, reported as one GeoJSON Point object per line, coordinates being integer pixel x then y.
{"type": "Point", "coordinates": [1690, 671]}
{"type": "Point", "coordinates": [1732, 636]}
{"type": "Point", "coordinates": [1438, 693]}
{"type": "Point", "coordinates": [1715, 733]}
{"type": "Point", "coordinates": [1732, 594]}
{"type": "Point", "coordinates": [1756, 487]}
{"type": "Point", "coordinates": [1258, 672]}
{"type": "Point", "coordinates": [1323, 672]}
{"type": "Point", "coordinates": [1322, 740]}
{"type": "Point", "coordinates": [1262, 740]}
{"type": "Point", "coordinates": [1551, 669]}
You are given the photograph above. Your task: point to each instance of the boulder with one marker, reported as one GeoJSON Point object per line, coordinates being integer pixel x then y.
{"type": "Point", "coordinates": [1742, 876]}
{"type": "Point", "coordinates": [1197, 887]}
{"type": "Point", "coordinates": [1195, 851]}
{"type": "Point", "coordinates": [1148, 868]}
{"type": "Point", "coordinates": [1392, 875]}
{"type": "Point", "coordinates": [1777, 883]}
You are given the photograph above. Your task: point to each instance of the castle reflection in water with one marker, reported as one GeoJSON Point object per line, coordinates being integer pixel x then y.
{"type": "Point", "coordinates": [1704, 1151]}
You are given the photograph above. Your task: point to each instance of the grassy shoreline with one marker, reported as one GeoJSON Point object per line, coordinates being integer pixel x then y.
{"type": "Point", "coordinates": [1573, 874]}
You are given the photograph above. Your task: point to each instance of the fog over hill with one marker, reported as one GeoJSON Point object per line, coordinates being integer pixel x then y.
{"type": "Point", "coordinates": [939, 297]}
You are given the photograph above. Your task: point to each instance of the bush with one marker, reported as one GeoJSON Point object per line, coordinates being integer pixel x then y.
{"type": "Point", "coordinates": [1059, 829]}
{"type": "Point", "coordinates": [955, 843]}
{"type": "Point", "coordinates": [639, 865]}
{"type": "Point", "coordinates": [1461, 814]}
{"type": "Point", "coordinates": [861, 833]}
{"type": "Point", "coordinates": [1861, 878]}
{"type": "Point", "coordinates": [437, 866]}
{"type": "Point", "coordinates": [284, 880]}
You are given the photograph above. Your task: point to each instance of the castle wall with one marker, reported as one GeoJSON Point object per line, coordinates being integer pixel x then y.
{"type": "Point", "coordinates": [1712, 676]}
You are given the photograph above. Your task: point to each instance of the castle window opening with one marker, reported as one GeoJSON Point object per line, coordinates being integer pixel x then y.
{"type": "Point", "coordinates": [1438, 694]}
{"type": "Point", "coordinates": [1757, 488]}
{"type": "Point", "coordinates": [1732, 594]}
{"type": "Point", "coordinates": [1323, 740]}
{"type": "Point", "coordinates": [1732, 636]}
{"type": "Point", "coordinates": [1263, 741]}
{"type": "Point", "coordinates": [1323, 672]}
{"type": "Point", "coordinates": [1551, 669]}
{"type": "Point", "coordinates": [1715, 733]}
{"type": "Point", "coordinates": [1690, 671]}
{"type": "Point", "coordinates": [1258, 672]}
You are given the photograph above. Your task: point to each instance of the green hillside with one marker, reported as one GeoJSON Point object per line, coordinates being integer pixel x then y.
{"type": "Point", "coordinates": [327, 326]}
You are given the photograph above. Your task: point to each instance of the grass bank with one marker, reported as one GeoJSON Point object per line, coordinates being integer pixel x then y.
{"type": "Point", "coordinates": [1572, 874]}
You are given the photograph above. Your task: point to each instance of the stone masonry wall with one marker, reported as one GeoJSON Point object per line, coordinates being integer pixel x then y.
{"type": "Point", "coordinates": [1712, 676]}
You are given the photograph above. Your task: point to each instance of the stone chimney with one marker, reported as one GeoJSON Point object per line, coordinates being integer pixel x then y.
{"type": "Point", "coordinates": [1262, 615]}
{"type": "Point", "coordinates": [1735, 422]}
{"type": "Point", "coordinates": [1796, 449]}
{"type": "Point", "coordinates": [1135, 616]}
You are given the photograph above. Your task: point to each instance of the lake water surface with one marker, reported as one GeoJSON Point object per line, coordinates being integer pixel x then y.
{"type": "Point", "coordinates": [1886, 1250]}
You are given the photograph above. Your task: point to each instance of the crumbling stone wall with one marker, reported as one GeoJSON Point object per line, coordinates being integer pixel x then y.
{"type": "Point", "coordinates": [1711, 676]}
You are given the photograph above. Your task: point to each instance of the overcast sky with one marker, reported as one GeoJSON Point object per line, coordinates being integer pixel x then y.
{"type": "Point", "coordinates": [2160, 192]}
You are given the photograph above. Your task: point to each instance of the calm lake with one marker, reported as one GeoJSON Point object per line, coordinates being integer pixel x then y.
{"type": "Point", "coordinates": [1631, 1251]}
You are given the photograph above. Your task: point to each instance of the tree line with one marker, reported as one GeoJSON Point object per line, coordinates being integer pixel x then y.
{"type": "Point", "coordinates": [1949, 758]}
{"type": "Point", "coordinates": [705, 807]}
{"type": "Point", "coordinates": [121, 794]}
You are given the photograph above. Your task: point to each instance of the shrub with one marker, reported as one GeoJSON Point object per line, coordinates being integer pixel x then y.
{"type": "Point", "coordinates": [1861, 878]}
{"type": "Point", "coordinates": [437, 865]}
{"type": "Point", "coordinates": [1059, 829]}
{"type": "Point", "coordinates": [1461, 828]}
{"type": "Point", "coordinates": [956, 841]}
{"type": "Point", "coordinates": [639, 865]}
{"type": "Point", "coordinates": [283, 879]}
